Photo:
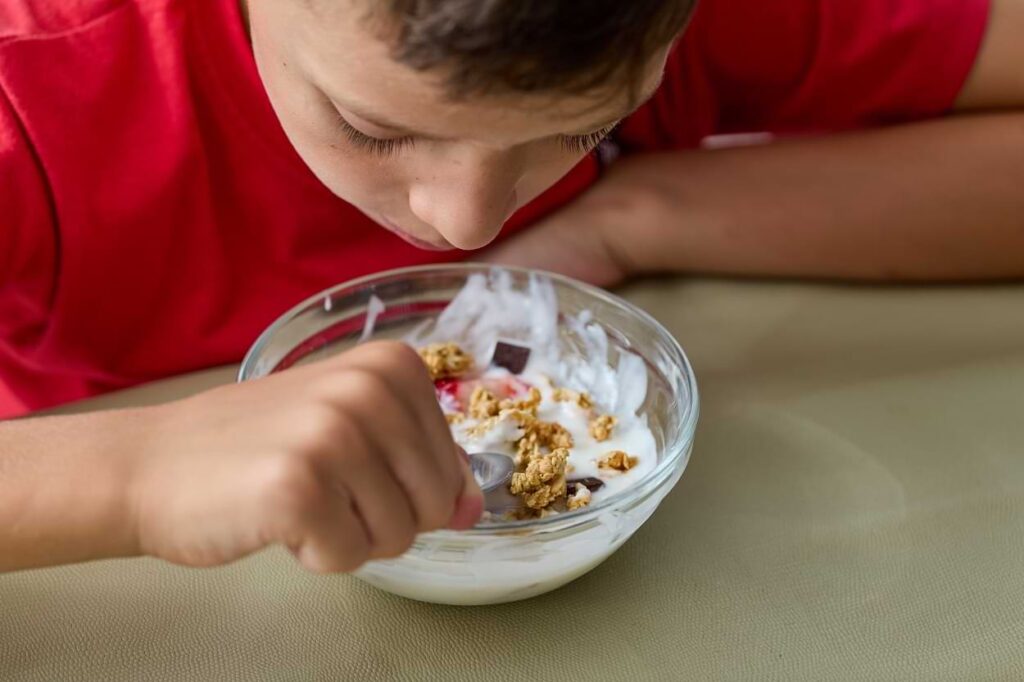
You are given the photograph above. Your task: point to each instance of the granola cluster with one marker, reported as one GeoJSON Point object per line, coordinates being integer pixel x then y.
{"type": "Point", "coordinates": [540, 437]}
{"type": "Point", "coordinates": [446, 360]}
{"type": "Point", "coordinates": [618, 460]}
{"type": "Point", "coordinates": [483, 404]}
{"type": "Point", "coordinates": [542, 482]}
{"type": "Point", "coordinates": [565, 395]}
{"type": "Point", "coordinates": [542, 448]}
{"type": "Point", "coordinates": [601, 428]}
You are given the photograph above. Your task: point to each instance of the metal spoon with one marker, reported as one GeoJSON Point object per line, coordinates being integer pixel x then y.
{"type": "Point", "coordinates": [492, 471]}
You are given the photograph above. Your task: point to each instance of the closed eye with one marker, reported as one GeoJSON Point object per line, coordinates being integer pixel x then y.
{"type": "Point", "coordinates": [383, 147]}
{"type": "Point", "coordinates": [581, 144]}
{"type": "Point", "coordinates": [386, 147]}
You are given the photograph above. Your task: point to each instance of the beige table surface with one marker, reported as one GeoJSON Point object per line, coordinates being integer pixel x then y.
{"type": "Point", "coordinates": [854, 509]}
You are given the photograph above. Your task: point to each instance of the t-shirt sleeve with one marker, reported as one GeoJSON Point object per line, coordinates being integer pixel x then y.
{"type": "Point", "coordinates": [27, 229]}
{"type": "Point", "coordinates": [806, 66]}
{"type": "Point", "coordinates": [823, 65]}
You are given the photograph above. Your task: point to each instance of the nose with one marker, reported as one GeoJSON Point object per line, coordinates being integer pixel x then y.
{"type": "Point", "coordinates": [468, 197]}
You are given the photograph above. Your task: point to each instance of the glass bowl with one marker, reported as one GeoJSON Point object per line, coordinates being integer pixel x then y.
{"type": "Point", "coordinates": [507, 560]}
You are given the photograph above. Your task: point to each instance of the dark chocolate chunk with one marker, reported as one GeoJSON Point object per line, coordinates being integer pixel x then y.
{"type": "Point", "coordinates": [511, 357]}
{"type": "Point", "coordinates": [590, 483]}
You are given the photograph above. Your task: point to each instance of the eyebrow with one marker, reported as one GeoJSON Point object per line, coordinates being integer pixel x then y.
{"type": "Point", "coordinates": [376, 120]}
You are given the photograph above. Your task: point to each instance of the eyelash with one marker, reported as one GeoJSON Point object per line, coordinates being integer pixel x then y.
{"type": "Point", "coordinates": [373, 145]}
{"type": "Point", "coordinates": [580, 144]}
{"type": "Point", "coordinates": [583, 144]}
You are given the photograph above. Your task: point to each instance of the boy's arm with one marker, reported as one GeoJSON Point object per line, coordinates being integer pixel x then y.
{"type": "Point", "coordinates": [65, 488]}
{"type": "Point", "coordinates": [934, 200]}
{"type": "Point", "coordinates": [342, 461]}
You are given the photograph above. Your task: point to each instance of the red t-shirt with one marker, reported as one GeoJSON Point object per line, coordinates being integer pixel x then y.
{"type": "Point", "coordinates": [154, 218]}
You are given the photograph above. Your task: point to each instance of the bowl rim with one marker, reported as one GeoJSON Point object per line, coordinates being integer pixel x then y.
{"type": "Point", "coordinates": [675, 450]}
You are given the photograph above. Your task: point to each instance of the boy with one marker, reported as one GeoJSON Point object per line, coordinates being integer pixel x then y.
{"type": "Point", "coordinates": [162, 200]}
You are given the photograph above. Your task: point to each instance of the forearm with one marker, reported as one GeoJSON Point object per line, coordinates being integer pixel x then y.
{"type": "Point", "coordinates": [936, 200]}
{"type": "Point", "coordinates": [64, 489]}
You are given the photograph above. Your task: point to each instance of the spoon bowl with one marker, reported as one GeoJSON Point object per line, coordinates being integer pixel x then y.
{"type": "Point", "coordinates": [493, 471]}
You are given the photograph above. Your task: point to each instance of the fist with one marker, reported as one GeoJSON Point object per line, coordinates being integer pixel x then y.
{"type": "Point", "coordinates": [341, 461]}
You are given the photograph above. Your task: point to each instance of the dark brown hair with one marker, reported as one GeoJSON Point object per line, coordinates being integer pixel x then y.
{"type": "Point", "coordinates": [531, 46]}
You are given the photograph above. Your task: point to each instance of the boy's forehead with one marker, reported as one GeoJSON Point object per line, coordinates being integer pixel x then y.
{"type": "Point", "coordinates": [348, 57]}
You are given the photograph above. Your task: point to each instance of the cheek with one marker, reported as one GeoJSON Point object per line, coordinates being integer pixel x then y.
{"type": "Point", "coordinates": [352, 175]}
{"type": "Point", "coordinates": [311, 126]}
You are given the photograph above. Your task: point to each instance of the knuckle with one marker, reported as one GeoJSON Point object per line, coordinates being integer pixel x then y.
{"type": "Point", "coordinates": [407, 357]}
{"type": "Point", "coordinates": [292, 487]}
{"type": "Point", "coordinates": [345, 550]}
{"type": "Point", "coordinates": [315, 424]}
{"type": "Point", "coordinates": [317, 563]}
{"type": "Point", "coordinates": [397, 356]}
{"type": "Point", "coordinates": [367, 386]}
{"type": "Point", "coordinates": [393, 349]}
{"type": "Point", "coordinates": [325, 561]}
{"type": "Point", "coordinates": [397, 542]}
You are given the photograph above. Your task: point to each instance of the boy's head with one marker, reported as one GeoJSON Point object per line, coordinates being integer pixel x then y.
{"type": "Point", "coordinates": [438, 118]}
